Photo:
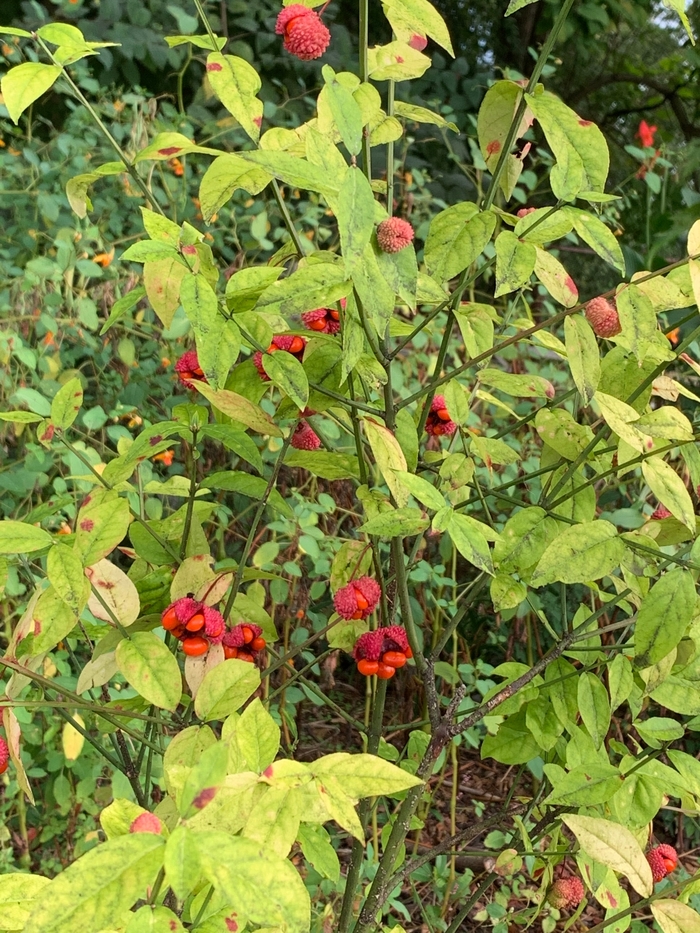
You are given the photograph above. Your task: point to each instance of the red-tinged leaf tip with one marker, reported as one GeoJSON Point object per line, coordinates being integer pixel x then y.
{"type": "Point", "coordinates": [189, 250]}
{"type": "Point", "coordinates": [268, 772]}
{"type": "Point", "coordinates": [170, 150]}
{"type": "Point", "coordinates": [214, 66]}
{"type": "Point", "coordinates": [585, 123]}
{"type": "Point", "coordinates": [257, 121]}
{"type": "Point", "coordinates": [571, 285]}
{"type": "Point", "coordinates": [493, 147]}
{"type": "Point", "coordinates": [204, 797]}
{"type": "Point", "coordinates": [87, 524]}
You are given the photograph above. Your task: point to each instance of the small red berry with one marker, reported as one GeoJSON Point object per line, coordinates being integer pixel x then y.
{"type": "Point", "coordinates": [195, 646]}
{"type": "Point", "coordinates": [245, 656]}
{"type": "Point", "coordinates": [659, 513]}
{"type": "Point", "coordinates": [384, 672]}
{"type": "Point", "coordinates": [322, 320]}
{"type": "Point", "coordinates": [169, 619]}
{"type": "Point", "coordinates": [394, 234]}
{"type": "Point", "coordinates": [257, 644]}
{"type": "Point", "coordinates": [368, 668]}
{"type": "Point", "coordinates": [230, 652]}
{"type": "Point", "coordinates": [305, 438]}
{"type": "Point", "coordinates": [603, 317]}
{"type": "Point", "coordinates": [287, 342]}
{"type": "Point", "coordinates": [439, 421]}
{"type": "Point", "coordinates": [4, 756]}
{"type": "Point", "coordinates": [358, 599]}
{"type": "Point", "coordinates": [304, 34]}
{"type": "Point", "coordinates": [189, 370]}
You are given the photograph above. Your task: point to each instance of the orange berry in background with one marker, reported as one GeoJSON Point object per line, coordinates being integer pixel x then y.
{"type": "Point", "coordinates": [195, 623]}
{"type": "Point", "coordinates": [300, 613]}
{"type": "Point", "coordinates": [244, 656]}
{"type": "Point", "coordinates": [248, 635]}
{"type": "Point", "coordinates": [296, 345]}
{"type": "Point", "coordinates": [385, 672]}
{"type": "Point", "coordinates": [394, 658]}
{"type": "Point", "coordinates": [195, 646]}
{"type": "Point", "coordinates": [257, 644]}
{"type": "Point", "coordinates": [368, 668]}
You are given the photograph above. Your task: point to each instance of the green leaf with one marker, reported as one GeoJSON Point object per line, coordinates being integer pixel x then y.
{"type": "Point", "coordinates": [637, 319]}
{"type": "Point", "coordinates": [151, 669]}
{"type": "Point", "coordinates": [613, 845]}
{"type": "Point", "coordinates": [66, 404]}
{"type": "Point", "coordinates": [200, 42]}
{"type": "Point", "coordinates": [364, 775]}
{"type": "Point", "coordinates": [668, 423]}
{"type": "Point", "coordinates": [555, 278]}
{"type": "Point", "coordinates": [496, 114]}
{"type": "Point", "coordinates": [345, 110]}
{"type": "Point", "coordinates": [583, 355]}
{"type": "Point", "coordinates": [422, 115]}
{"type": "Point", "coordinates": [122, 306]}
{"type": "Point", "coordinates": [586, 786]}
{"type": "Point", "coordinates": [20, 417]}
{"type": "Point", "coordinates": [594, 707]}
{"type": "Point", "coordinates": [161, 279]}
{"type": "Point", "coordinates": [24, 84]}
{"type": "Point", "coordinates": [352, 560]}
{"type": "Point", "coordinates": [679, 7]}
{"type": "Point", "coordinates": [13, 31]}
{"type": "Point", "coordinates": [396, 523]}
{"type": "Point", "coordinates": [324, 463]}
{"type": "Point", "coordinates": [355, 213]}
{"type": "Point", "coordinates": [293, 171]}
{"type": "Point", "coordinates": [657, 729]}
{"type": "Point", "coordinates": [318, 850]}
{"type": "Point", "coordinates": [594, 232]}
{"type": "Point", "coordinates": [181, 862]}
{"type": "Point", "coordinates": [397, 61]}
{"type": "Point", "coordinates": [418, 16]}
{"type": "Point", "coordinates": [149, 919]}
{"type": "Point", "coordinates": [422, 490]}
{"type": "Point", "coordinates": [100, 526]}
{"type": "Point", "coordinates": [226, 175]}
{"type": "Point", "coordinates": [376, 296]}
{"type": "Point", "coordinates": [513, 744]}
{"type": "Point", "coordinates": [620, 680]}
{"type": "Point", "coordinates": [541, 226]}
{"type": "Point", "coordinates": [20, 538]}
{"type": "Point", "coordinates": [663, 617]}
{"type": "Point", "coordinates": [246, 485]}
{"type": "Point", "coordinates": [515, 263]}
{"type": "Point", "coordinates": [523, 540]}
{"type": "Point", "coordinates": [470, 541]}
{"type": "Point", "coordinates": [518, 386]}
{"type": "Point", "coordinates": [266, 890]}
{"type": "Point", "coordinates": [225, 689]}
{"type": "Point", "coordinates": [19, 895]}
{"type": "Point", "coordinates": [457, 237]}
{"type": "Point", "coordinates": [578, 145]}
{"type": "Point", "coordinates": [239, 409]}
{"type": "Point", "coordinates": [287, 373]}
{"type": "Point", "coordinates": [274, 820]}
{"type": "Point", "coordinates": [218, 339]}
{"type": "Point", "coordinates": [148, 250]}
{"type": "Point", "coordinates": [236, 83]}
{"type": "Point", "coordinates": [99, 886]}
{"type": "Point", "coordinates": [65, 572]}
{"type": "Point", "coordinates": [670, 489]}
{"type": "Point", "coordinates": [203, 781]}
{"type": "Point", "coordinates": [258, 736]}
{"type": "Point", "coordinates": [580, 554]}
{"type": "Point", "coordinates": [671, 915]}
{"type": "Point", "coordinates": [389, 456]}
{"type": "Point", "coordinates": [310, 287]}
{"type": "Point", "coordinates": [516, 5]}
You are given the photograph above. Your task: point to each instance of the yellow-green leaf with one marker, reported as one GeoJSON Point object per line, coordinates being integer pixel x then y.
{"type": "Point", "coordinates": [615, 846]}
{"type": "Point", "coordinates": [24, 83]}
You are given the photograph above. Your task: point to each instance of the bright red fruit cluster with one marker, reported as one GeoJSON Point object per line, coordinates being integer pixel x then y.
{"type": "Point", "coordinates": [381, 652]}
{"type": "Point", "coordinates": [189, 370]}
{"type": "Point", "coordinates": [243, 641]}
{"type": "Point", "coordinates": [662, 860]}
{"type": "Point", "coordinates": [358, 599]}
{"type": "Point", "coordinates": [287, 342]}
{"type": "Point", "coordinates": [322, 320]}
{"type": "Point", "coordinates": [566, 893]}
{"type": "Point", "coordinates": [197, 626]}
{"type": "Point", "coordinates": [439, 422]}
{"type": "Point", "coordinates": [304, 34]}
{"type": "Point", "coordinates": [659, 513]}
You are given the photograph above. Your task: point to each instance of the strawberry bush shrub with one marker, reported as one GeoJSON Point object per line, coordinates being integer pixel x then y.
{"type": "Point", "coordinates": [394, 429]}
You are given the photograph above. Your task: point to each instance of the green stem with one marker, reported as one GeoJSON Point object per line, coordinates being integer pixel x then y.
{"type": "Point", "coordinates": [238, 579]}
{"type": "Point", "coordinates": [192, 464]}
{"type": "Point", "coordinates": [364, 77]}
{"type": "Point", "coordinates": [390, 152]}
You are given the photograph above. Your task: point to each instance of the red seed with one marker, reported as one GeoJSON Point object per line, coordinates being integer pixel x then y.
{"type": "Point", "coordinates": [244, 656]}
{"type": "Point", "coordinates": [394, 658]}
{"type": "Point", "coordinates": [334, 314]}
{"type": "Point", "coordinates": [385, 672]}
{"type": "Point", "coordinates": [169, 619]}
{"type": "Point", "coordinates": [257, 644]}
{"type": "Point", "coordinates": [297, 345]}
{"type": "Point", "coordinates": [368, 668]}
{"type": "Point", "coordinates": [248, 635]}
{"type": "Point", "coordinates": [195, 623]}
{"type": "Point", "coordinates": [195, 646]}
{"type": "Point", "coordinates": [443, 414]}
{"type": "Point", "coordinates": [361, 601]}
{"type": "Point", "coordinates": [318, 325]}
{"type": "Point", "coordinates": [408, 652]}
{"type": "Point", "coordinates": [230, 652]}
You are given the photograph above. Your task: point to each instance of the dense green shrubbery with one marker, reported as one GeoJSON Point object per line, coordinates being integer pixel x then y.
{"type": "Point", "coordinates": [493, 462]}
